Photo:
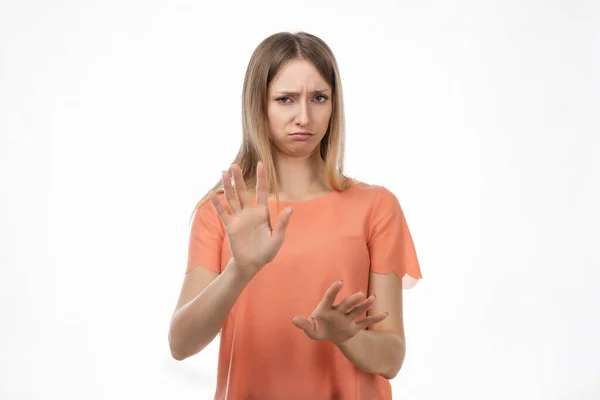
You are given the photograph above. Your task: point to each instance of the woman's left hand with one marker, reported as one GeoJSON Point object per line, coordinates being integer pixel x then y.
{"type": "Point", "coordinates": [337, 322]}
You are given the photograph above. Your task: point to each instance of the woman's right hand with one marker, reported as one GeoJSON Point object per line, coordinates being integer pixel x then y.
{"type": "Point", "coordinates": [252, 241]}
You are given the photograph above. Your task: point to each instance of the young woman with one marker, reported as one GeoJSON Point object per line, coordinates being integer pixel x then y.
{"type": "Point", "coordinates": [308, 298]}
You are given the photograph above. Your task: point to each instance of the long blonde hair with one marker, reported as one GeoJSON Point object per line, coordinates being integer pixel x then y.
{"type": "Point", "coordinates": [266, 61]}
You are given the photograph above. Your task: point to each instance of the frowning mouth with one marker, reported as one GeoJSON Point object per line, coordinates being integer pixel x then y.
{"type": "Point", "coordinates": [301, 136]}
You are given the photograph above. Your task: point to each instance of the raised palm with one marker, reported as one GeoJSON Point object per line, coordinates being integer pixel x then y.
{"type": "Point", "coordinates": [252, 241]}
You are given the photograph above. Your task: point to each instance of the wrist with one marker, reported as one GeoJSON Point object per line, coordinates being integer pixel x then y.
{"type": "Point", "coordinates": [242, 273]}
{"type": "Point", "coordinates": [343, 345]}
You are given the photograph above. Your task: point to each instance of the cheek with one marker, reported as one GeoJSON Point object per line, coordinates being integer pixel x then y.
{"type": "Point", "coordinates": [323, 123]}
{"type": "Point", "coordinates": [277, 119]}
{"type": "Point", "coordinates": [325, 112]}
{"type": "Point", "coordinates": [271, 117]}
{"type": "Point", "coordinates": [274, 125]}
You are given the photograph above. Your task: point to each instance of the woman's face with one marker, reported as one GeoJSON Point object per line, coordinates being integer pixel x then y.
{"type": "Point", "coordinates": [299, 100]}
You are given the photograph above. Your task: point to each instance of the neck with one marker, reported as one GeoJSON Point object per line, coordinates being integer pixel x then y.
{"type": "Point", "coordinates": [301, 176]}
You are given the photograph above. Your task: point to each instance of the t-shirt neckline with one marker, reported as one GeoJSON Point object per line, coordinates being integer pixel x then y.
{"type": "Point", "coordinates": [300, 202]}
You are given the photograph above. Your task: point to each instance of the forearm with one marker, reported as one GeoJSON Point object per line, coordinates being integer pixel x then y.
{"type": "Point", "coordinates": [197, 323]}
{"type": "Point", "coordinates": [376, 352]}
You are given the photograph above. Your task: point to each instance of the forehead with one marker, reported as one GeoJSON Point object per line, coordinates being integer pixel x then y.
{"type": "Point", "coordinates": [297, 75]}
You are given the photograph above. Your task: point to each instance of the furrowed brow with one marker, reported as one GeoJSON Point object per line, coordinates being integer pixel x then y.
{"type": "Point", "coordinates": [291, 92]}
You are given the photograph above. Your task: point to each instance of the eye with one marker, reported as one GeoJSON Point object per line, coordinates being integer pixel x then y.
{"type": "Point", "coordinates": [287, 98]}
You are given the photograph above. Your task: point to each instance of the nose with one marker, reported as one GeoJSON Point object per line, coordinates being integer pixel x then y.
{"type": "Point", "coordinates": [303, 117]}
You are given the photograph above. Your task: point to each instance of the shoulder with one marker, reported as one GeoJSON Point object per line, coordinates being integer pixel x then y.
{"type": "Point", "coordinates": [205, 211]}
{"type": "Point", "coordinates": [373, 194]}
{"type": "Point", "coordinates": [377, 203]}
{"type": "Point", "coordinates": [205, 204]}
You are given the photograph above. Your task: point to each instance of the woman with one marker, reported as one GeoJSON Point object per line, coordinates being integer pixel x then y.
{"type": "Point", "coordinates": [308, 301]}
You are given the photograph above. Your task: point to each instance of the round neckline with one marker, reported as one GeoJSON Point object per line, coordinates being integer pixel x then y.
{"type": "Point", "coordinates": [314, 199]}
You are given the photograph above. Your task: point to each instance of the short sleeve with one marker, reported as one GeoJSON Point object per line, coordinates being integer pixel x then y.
{"type": "Point", "coordinates": [390, 242]}
{"type": "Point", "coordinates": [205, 239]}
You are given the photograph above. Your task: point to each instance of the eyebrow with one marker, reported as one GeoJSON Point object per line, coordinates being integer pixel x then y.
{"type": "Point", "coordinates": [288, 92]}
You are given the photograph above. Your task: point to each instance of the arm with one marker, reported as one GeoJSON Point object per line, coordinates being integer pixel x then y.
{"type": "Point", "coordinates": [381, 349]}
{"type": "Point", "coordinates": [253, 244]}
{"type": "Point", "coordinates": [205, 301]}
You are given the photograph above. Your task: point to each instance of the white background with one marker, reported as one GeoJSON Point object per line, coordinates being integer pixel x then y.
{"type": "Point", "coordinates": [482, 117]}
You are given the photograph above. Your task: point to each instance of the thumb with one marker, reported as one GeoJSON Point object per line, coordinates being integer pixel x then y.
{"type": "Point", "coordinates": [303, 323]}
{"type": "Point", "coordinates": [282, 222]}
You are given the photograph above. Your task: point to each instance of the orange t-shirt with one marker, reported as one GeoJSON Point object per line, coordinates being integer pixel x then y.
{"type": "Point", "coordinates": [341, 235]}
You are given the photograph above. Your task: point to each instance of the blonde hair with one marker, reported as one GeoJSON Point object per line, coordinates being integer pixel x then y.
{"type": "Point", "coordinates": [268, 58]}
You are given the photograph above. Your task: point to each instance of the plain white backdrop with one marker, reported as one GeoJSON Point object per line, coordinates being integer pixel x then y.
{"type": "Point", "coordinates": [481, 116]}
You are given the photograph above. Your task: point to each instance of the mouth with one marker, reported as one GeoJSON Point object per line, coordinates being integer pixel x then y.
{"type": "Point", "coordinates": [301, 136]}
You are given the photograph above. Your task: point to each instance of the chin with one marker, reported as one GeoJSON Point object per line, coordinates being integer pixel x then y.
{"type": "Point", "coordinates": [299, 152]}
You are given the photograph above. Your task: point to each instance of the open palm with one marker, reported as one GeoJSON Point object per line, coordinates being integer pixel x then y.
{"type": "Point", "coordinates": [337, 322]}
{"type": "Point", "coordinates": [252, 240]}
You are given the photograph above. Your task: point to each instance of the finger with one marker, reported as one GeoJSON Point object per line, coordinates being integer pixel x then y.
{"type": "Point", "coordinates": [282, 223]}
{"type": "Point", "coordinates": [219, 207]}
{"type": "Point", "coordinates": [308, 325]}
{"type": "Point", "coordinates": [351, 301]}
{"type": "Point", "coordinates": [362, 308]}
{"type": "Point", "coordinates": [331, 294]}
{"type": "Point", "coordinates": [240, 186]}
{"type": "Point", "coordinates": [371, 320]}
{"type": "Point", "coordinates": [262, 192]}
{"type": "Point", "coordinates": [262, 196]}
{"type": "Point", "coordinates": [230, 196]}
